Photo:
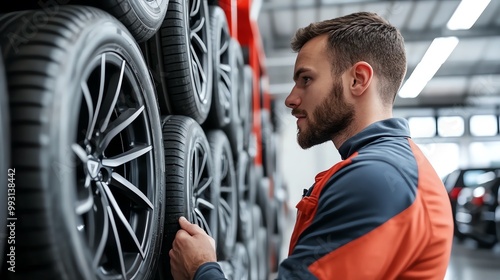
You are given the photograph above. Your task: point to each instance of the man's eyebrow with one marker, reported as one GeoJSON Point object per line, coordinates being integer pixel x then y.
{"type": "Point", "coordinates": [299, 71]}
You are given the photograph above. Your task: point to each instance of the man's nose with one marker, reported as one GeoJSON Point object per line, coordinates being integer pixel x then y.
{"type": "Point", "coordinates": [293, 99]}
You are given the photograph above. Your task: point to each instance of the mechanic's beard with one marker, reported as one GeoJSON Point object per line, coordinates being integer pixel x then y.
{"type": "Point", "coordinates": [329, 119]}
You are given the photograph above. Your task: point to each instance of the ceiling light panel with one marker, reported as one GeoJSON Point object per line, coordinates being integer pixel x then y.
{"type": "Point", "coordinates": [466, 14]}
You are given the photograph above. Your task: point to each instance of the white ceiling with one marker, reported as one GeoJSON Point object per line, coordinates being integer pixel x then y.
{"type": "Point", "coordinates": [470, 76]}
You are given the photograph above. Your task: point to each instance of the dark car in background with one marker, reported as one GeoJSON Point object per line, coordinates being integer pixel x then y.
{"type": "Point", "coordinates": [476, 207]}
{"type": "Point", "coordinates": [458, 180]}
{"type": "Point", "coordinates": [497, 215]}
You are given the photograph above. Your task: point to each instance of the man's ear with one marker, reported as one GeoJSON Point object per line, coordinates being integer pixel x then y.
{"type": "Point", "coordinates": [361, 75]}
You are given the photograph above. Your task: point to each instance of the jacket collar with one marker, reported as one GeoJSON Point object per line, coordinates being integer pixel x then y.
{"type": "Point", "coordinates": [393, 127]}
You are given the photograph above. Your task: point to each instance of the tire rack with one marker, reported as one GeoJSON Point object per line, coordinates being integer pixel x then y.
{"type": "Point", "coordinates": [242, 19]}
{"type": "Point", "coordinates": [261, 207]}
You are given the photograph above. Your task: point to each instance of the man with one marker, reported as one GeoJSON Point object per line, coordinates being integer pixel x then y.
{"type": "Point", "coordinates": [380, 213]}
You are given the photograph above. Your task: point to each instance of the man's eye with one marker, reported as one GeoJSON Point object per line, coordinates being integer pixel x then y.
{"type": "Point", "coordinates": [306, 79]}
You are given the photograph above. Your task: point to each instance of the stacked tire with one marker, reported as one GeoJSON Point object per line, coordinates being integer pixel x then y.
{"type": "Point", "coordinates": [86, 131]}
{"type": "Point", "coordinates": [121, 116]}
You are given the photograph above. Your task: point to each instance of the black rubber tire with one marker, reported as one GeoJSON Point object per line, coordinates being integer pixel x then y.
{"type": "Point", "coordinates": [263, 261]}
{"type": "Point", "coordinates": [280, 194]}
{"type": "Point", "coordinates": [268, 144]}
{"type": "Point", "coordinates": [7, 177]}
{"type": "Point", "coordinates": [63, 202]}
{"type": "Point", "coordinates": [223, 84]}
{"type": "Point", "coordinates": [227, 269]}
{"type": "Point", "coordinates": [246, 181]}
{"type": "Point", "coordinates": [191, 187]}
{"type": "Point", "coordinates": [271, 218]}
{"type": "Point", "coordinates": [267, 204]}
{"type": "Point", "coordinates": [262, 244]}
{"type": "Point", "coordinates": [253, 253]}
{"type": "Point", "coordinates": [275, 252]}
{"type": "Point", "coordinates": [280, 198]}
{"type": "Point", "coordinates": [225, 179]}
{"type": "Point", "coordinates": [254, 184]}
{"type": "Point", "coordinates": [497, 225]}
{"type": "Point", "coordinates": [488, 238]}
{"type": "Point", "coordinates": [265, 201]}
{"type": "Point", "coordinates": [180, 58]}
{"type": "Point", "coordinates": [497, 220]}
{"type": "Point", "coordinates": [241, 262]}
{"type": "Point", "coordinates": [246, 110]}
{"type": "Point", "coordinates": [142, 18]}
{"type": "Point", "coordinates": [234, 129]}
{"type": "Point", "coordinates": [243, 176]}
{"type": "Point", "coordinates": [43, 6]}
{"type": "Point", "coordinates": [485, 244]}
{"type": "Point", "coordinates": [241, 101]}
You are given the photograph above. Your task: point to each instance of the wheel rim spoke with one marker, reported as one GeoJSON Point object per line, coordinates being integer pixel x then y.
{"type": "Point", "coordinates": [91, 233]}
{"type": "Point", "coordinates": [88, 101]}
{"type": "Point", "coordinates": [114, 205]}
{"type": "Point", "coordinates": [202, 222]}
{"type": "Point", "coordinates": [197, 170]}
{"type": "Point", "coordinates": [131, 190]}
{"type": "Point", "coordinates": [198, 70]}
{"type": "Point", "coordinates": [226, 68]}
{"type": "Point", "coordinates": [85, 205]}
{"type": "Point", "coordinates": [105, 231]}
{"type": "Point", "coordinates": [224, 47]}
{"type": "Point", "coordinates": [226, 94]}
{"type": "Point", "coordinates": [205, 203]}
{"type": "Point", "coordinates": [114, 229]}
{"type": "Point", "coordinates": [222, 223]}
{"type": "Point", "coordinates": [126, 156]}
{"type": "Point", "coordinates": [224, 167]}
{"type": "Point", "coordinates": [196, 40]}
{"type": "Point", "coordinates": [197, 26]}
{"type": "Point", "coordinates": [80, 152]}
{"type": "Point", "coordinates": [199, 167]}
{"type": "Point", "coordinates": [195, 8]}
{"type": "Point", "coordinates": [199, 190]}
{"type": "Point", "coordinates": [226, 213]}
{"type": "Point", "coordinates": [115, 98]}
{"type": "Point", "coordinates": [100, 96]}
{"type": "Point", "coordinates": [115, 127]}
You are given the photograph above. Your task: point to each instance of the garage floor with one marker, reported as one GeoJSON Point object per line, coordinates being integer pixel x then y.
{"type": "Point", "coordinates": [470, 263]}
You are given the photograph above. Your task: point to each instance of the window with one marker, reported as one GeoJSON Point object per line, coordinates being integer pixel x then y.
{"type": "Point", "coordinates": [452, 126]}
{"type": "Point", "coordinates": [483, 125]}
{"type": "Point", "coordinates": [484, 154]}
{"type": "Point", "coordinates": [444, 157]}
{"type": "Point", "coordinates": [422, 126]}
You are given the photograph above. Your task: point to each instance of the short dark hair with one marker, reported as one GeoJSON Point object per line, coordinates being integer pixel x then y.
{"type": "Point", "coordinates": [362, 36]}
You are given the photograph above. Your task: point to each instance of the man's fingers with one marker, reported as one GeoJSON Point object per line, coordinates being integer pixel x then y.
{"type": "Point", "coordinates": [171, 254]}
{"type": "Point", "coordinates": [192, 229]}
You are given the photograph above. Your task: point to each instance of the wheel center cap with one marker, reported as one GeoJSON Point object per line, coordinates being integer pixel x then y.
{"type": "Point", "coordinates": [93, 168]}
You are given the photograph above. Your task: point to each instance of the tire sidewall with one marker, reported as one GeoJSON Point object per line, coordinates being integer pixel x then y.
{"type": "Point", "coordinates": [219, 145]}
{"type": "Point", "coordinates": [145, 11]}
{"type": "Point", "coordinates": [4, 155]}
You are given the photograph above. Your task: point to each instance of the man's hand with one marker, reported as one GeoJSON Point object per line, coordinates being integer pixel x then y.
{"type": "Point", "coordinates": [191, 248]}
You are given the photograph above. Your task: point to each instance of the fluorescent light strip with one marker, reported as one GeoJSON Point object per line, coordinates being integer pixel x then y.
{"type": "Point", "coordinates": [466, 14]}
{"type": "Point", "coordinates": [437, 53]}
{"type": "Point", "coordinates": [464, 17]}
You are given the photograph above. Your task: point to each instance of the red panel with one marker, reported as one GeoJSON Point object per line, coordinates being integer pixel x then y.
{"type": "Point", "coordinates": [230, 7]}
